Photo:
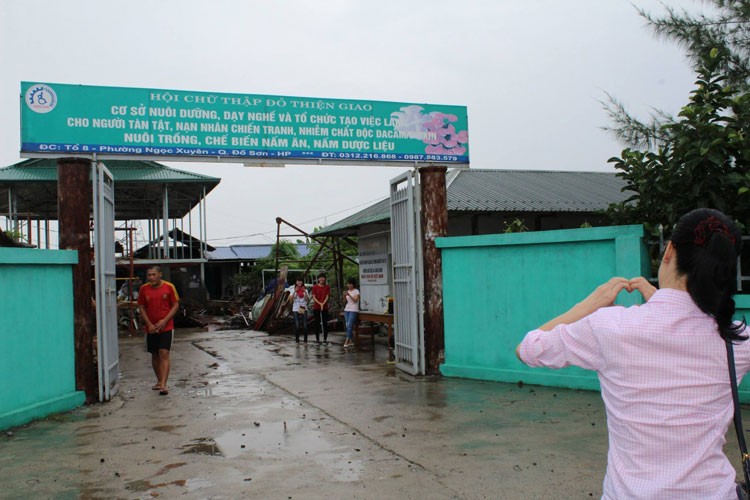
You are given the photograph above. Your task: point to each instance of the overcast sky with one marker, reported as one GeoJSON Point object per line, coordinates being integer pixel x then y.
{"type": "Point", "coordinates": [531, 73]}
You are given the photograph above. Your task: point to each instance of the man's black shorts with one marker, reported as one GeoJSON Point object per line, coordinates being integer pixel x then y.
{"type": "Point", "coordinates": [156, 341]}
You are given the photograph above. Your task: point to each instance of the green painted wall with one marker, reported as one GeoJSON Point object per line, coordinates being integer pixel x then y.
{"type": "Point", "coordinates": [37, 366]}
{"type": "Point", "coordinates": [742, 304]}
{"type": "Point", "coordinates": [498, 287]}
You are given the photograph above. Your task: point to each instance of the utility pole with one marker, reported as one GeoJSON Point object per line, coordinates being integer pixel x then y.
{"type": "Point", "coordinates": [434, 224]}
{"type": "Point", "coordinates": [74, 212]}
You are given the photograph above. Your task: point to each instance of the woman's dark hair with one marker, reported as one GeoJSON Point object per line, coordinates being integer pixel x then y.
{"type": "Point", "coordinates": [352, 281]}
{"type": "Point", "coordinates": [707, 244]}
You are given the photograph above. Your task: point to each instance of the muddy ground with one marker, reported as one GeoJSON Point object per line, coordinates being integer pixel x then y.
{"type": "Point", "coordinates": [254, 416]}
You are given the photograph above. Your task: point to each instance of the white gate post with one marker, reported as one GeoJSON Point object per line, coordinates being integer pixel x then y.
{"type": "Point", "coordinates": [407, 274]}
{"type": "Point", "coordinates": [106, 283]}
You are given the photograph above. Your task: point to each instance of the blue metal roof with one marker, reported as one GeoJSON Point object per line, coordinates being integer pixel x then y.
{"type": "Point", "coordinates": [249, 252]}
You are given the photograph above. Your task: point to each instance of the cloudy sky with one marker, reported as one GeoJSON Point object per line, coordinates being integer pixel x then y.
{"type": "Point", "coordinates": [531, 73]}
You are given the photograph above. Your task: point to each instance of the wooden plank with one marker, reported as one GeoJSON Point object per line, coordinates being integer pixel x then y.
{"type": "Point", "coordinates": [264, 314]}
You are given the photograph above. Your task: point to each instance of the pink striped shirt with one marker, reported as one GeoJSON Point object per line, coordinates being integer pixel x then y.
{"type": "Point", "coordinates": [663, 373]}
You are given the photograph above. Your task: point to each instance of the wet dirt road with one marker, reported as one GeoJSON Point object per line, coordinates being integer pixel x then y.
{"type": "Point", "coordinates": [254, 416]}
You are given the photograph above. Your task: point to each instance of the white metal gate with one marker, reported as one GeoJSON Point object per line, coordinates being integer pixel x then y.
{"type": "Point", "coordinates": [108, 357]}
{"type": "Point", "coordinates": [406, 243]}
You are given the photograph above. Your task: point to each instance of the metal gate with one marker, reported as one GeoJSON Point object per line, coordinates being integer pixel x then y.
{"type": "Point", "coordinates": [108, 358]}
{"type": "Point", "coordinates": [406, 243]}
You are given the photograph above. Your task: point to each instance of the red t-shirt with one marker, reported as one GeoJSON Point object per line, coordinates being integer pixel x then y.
{"type": "Point", "coordinates": [158, 301]}
{"type": "Point", "coordinates": [320, 292]}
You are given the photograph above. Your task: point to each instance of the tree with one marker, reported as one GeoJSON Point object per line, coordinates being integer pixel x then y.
{"type": "Point", "coordinates": [325, 256]}
{"type": "Point", "coordinates": [704, 163]}
{"type": "Point", "coordinates": [726, 29]}
{"type": "Point", "coordinates": [287, 256]}
{"type": "Point", "coordinates": [701, 158]}
{"type": "Point", "coordinates": [252, 279]}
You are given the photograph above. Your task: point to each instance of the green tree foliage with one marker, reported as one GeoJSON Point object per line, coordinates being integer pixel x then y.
{"type": "Point", "coordinates": [701, 158]}
{"type": "Point", "coordinates": [347, 247]}
{"type": "Point", "coordinates": [704, 163]}
{"type": "Point", "coordinates": [252, 278]}
{"type": "Point", "coordinates": [514, 226]}
{"type": "Point", "coordinates": [726, 29]}
{"type": "Point", "coordinates": [10, 238]}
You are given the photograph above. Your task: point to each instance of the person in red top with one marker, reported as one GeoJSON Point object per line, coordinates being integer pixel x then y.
{"type": "Point", "coordinates": [158, 302]}
{"type": "Point", "coordinates": [321, 292]}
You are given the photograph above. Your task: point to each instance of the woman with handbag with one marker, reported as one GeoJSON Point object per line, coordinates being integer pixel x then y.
{"type": "Point", "coordinates": [662, 366]}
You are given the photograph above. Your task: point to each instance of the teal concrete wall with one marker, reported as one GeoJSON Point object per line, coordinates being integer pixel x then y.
{"type": "Point", "coordinates": [37, 358]}
{"type": "Point", "coordinates": [498, 287]}
{"type": "Point", "coordinates": [742, 304]}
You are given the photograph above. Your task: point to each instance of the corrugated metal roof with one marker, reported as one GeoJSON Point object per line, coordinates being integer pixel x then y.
{"type": "Point", "coordinates": [379, 212]}
{"type": "Point", "coordinates": [486, 190]}
{"type": "Point", "coordinates": [248, 252]}
{"type": "Point", "coordinates": [139, 188]}
{"type": "Point", "coordinates": [221, 253]}
{"type": "Point", "coordinates": [534, 191]}
{"type": "Point", "coordinates": [45, 170]}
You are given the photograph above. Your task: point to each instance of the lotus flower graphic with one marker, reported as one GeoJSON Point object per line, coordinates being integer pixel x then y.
{"type": "Point", "coordinates": [435, 128]}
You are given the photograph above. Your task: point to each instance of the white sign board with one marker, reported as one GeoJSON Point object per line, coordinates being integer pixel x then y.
{"type": "Point", "coordinates": [373, 269]}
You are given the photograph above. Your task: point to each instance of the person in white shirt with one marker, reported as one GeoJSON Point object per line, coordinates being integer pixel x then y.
{"type": "Point", "coordinates": [299, 299]}
{"type": "Point", "coordinates": [351, 297]}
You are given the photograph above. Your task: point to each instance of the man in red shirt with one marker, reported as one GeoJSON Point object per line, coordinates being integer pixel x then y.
{"type": "Point", "coordinates": [321, 292]}
{"type": "Point", "coordinates": [158, 302]}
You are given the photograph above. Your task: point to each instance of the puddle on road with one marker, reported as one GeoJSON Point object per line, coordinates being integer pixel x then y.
{"type": "Point", "coordinates": [202, 446]}
{"type": "Point", "coordinates": [191, 484]}
{"type": "Point", "coordinates": [208, 350]}
{"type": "Point", "coordinates": [334, 352]}
{"type": "Point", "coordinates": [197, 483]}
{"type": "Point", "coordinates": [84, 427]}
{"type": "Point", "coordinates": [278, 352]}
{"type": "Point", "coordinates": [205, 392]}
{"type": "Point", "coordinates": [145, 485]}
{"type": "Point", "coordinates": [85, 493]}
{"type": "Point", "coordinates": [167, 428]}
{"type": "Point", "coordinates": [295, 440]}
{"type": "Point", "coordinates": [169, 467]}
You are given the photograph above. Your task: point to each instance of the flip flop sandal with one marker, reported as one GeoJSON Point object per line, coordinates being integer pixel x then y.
{"type": "Point", "coordinates": [157, 387]}
{"type": "Point", "coordinates": [163, 392]}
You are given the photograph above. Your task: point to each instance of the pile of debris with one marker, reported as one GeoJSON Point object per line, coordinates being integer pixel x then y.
{"type": "Point", "coordinates": [271, 312]}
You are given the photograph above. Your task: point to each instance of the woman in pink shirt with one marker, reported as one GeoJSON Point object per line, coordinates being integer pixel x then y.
{"type": "Point", "coordinates": [662, 366]}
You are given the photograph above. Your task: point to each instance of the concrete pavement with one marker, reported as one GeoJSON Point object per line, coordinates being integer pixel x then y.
{"type": "Point", "coordinates": [254, 416]}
